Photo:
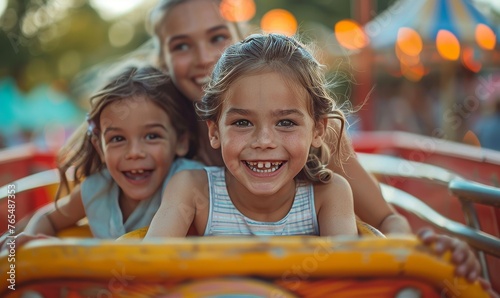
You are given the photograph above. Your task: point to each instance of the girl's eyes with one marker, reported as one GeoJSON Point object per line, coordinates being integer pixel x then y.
{"type": "Point", "coordinates": [116, 139]}
{"type": "Point", "coordinates": [180, 47]}
{"type": "Point", "coordinates": [220, 38]}
{"type": "Point", "coordinates": [242, 123]}
{"type": "Point", "coordinates": [185, 46]}
{"type": "Point", "coordinates": [286, 123]}
{"type": "Point", "coordinates": [149, 136]}
{"type": "Point", "coordinates": [152, 136]}
{"type": "Point", "coordinates": [281, 123]}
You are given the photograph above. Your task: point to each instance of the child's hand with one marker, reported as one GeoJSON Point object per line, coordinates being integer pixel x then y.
{"type": "Point", "coordinates": [487, 287]}
{"type": "Point", "coordinates": [462, 256]}
{"type": "Point", "coordinates": [20, 239]}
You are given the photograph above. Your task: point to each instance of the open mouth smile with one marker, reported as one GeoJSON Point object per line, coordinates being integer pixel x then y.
{"type": "Point", "coordinates": [202, 81]}
{"type": "Point", "coordinates": [137, 174]}
{"type": "Point", "coordinates": [264, 166]}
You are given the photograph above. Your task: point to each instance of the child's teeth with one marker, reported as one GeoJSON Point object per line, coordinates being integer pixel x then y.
{"type": "Point", "coordinates": [264, 167]}
{"type": "Point", "coordinates": [203, 80]}
{"type": "Point", "coordinates": [137, 171]}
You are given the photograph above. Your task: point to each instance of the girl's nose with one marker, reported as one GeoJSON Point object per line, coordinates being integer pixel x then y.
{"type": "Point", "coordinates": [207, 55]}
{"type": "Point", "coordinates": [263, 139]}
{"type": "Point", "coordinates": [135, 151]}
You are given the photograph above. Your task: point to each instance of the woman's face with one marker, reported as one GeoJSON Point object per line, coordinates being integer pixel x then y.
{"type": "Point", "coordinates": [193, 36]}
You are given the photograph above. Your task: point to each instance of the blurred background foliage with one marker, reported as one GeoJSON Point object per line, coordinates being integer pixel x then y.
{"type": "Point", "coordinates": [53, 40]}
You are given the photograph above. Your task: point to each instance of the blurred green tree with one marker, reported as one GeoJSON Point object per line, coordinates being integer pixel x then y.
{"type": "Point", "coordinates": [52, 40]}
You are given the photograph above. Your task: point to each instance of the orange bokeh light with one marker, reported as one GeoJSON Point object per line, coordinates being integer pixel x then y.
{"type": "Point", "coordinates": [447, 45]}
{"type": "Point", "coordinates": [237, 10]}
{"type": "Point", "coordinates": [471, 138]}
{"type": "Point", "coordinates": [485, 37]}
{"type": "Point", "coordinates": [350, 35]}
{"type": "Point", "coordinates": [406, 59]}
{"type": "Point", "coordinates": [468, 60]}
{"type": "Point", "coordinates": [413, 73]}
{"type": "Point", "coordinates": [279, 21]}
{"type": "Point", "coordinates": [409, 41]}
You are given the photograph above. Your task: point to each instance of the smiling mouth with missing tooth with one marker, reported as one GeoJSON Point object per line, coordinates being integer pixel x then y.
{"type": "Point", "coordinates": [264, 166]}
{"type": "Point", "coordinates": [137, 174]}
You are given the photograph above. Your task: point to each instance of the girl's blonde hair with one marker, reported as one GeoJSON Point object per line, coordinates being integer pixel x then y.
{"type": "Point", "coordinates": [141, 82]}
{"type": "Point", "coordinates": [287, 56]}
{"type": "Point", "coordinates": [157, 18]}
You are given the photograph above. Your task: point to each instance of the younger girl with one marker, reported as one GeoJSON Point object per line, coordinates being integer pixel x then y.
{"type": "Point", "coordinates": [268, 110]}
{"type": "Point", "coordinates": [137, 135]}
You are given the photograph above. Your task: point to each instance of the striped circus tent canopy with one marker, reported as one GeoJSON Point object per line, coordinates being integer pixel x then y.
{"type": "Point", "coordinates": [428, 18]}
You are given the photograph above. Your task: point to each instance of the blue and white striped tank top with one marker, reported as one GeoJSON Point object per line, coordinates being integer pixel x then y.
{"type": "Point", "coordinates": [224, 219]}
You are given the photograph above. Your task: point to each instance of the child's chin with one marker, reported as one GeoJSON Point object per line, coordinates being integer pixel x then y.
{"type": "Point", "coordinates": [141, 196]}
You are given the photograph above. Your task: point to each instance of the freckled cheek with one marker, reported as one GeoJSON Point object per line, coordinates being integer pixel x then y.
{"type": "Point", "coordinates": [292, 139]}
{"type": "Point", "coordinates": [296, 142]}
{"type": "Point", "coordinates": [232, 144]}
{"type": "Point", "coordinates": [230, 138]}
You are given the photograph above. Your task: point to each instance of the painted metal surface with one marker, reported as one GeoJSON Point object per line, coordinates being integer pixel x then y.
{"type": "Point", "coordinates": [284, 264]}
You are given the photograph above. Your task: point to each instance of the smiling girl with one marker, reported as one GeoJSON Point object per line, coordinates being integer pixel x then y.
{"type": "Point", "coordinates": [137, 134]}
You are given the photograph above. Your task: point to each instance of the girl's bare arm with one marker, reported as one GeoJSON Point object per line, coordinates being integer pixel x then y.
{"type": "Point", "coordinates": [334, 205]}
{"type": "Point", "coordinates": [178, 207]}
{"type": "Point", "coordinates": [51, 220]}
{"type": "Point", "coordinates": [369, 204]}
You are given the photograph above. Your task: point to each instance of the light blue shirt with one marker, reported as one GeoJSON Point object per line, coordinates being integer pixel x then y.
{"type": "Point", "coordinates": [100, 195]}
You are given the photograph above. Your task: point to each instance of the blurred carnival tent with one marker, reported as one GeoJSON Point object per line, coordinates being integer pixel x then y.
{"type": "Point", "coordinates": [422, 33]}
{"type": "Point", "coordinates": [9, 95]}
{"type": "Point", "coordinates": [41, 111]}
{"type": "Point", "coordinates": [411, 39]}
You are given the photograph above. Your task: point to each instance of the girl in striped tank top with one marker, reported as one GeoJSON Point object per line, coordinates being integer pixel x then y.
{"type": "Point", "coordinates": [268, 109]}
